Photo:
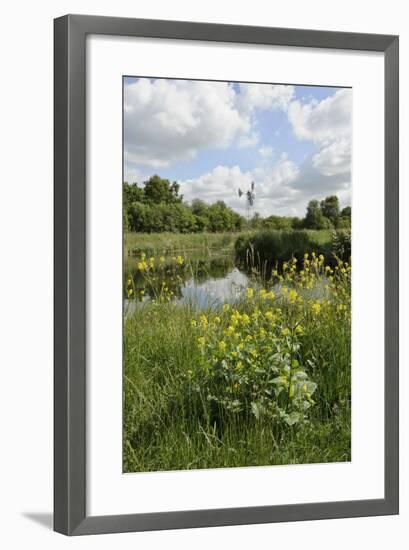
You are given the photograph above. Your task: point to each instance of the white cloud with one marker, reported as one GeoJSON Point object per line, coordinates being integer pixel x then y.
{"type": "Point", "coordinates": [272, 186]}
{"type": "Point", "coordinates": [264, 96]}
{"type": "Point", "coordinates": [334, 158]}
{"type": "Point", "coordinates": [328, 123]}
{"type": "Point", "coordinates": [322, 121]}
{"type": "Point", "coordinates": [134, 175]}
{"type": "Point", "coordinates": [221, 183]}
{"type": "Point", "coordinates": [169, 120]}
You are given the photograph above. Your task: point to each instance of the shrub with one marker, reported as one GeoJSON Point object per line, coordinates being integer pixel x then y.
{"type": "Point", "coordinates": [267, 248]}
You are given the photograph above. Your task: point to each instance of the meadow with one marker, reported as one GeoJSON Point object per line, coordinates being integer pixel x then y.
{"type": "Point", "coordinates": [262, 377]}
{"type": "Point", "coordinates": [168, 243]}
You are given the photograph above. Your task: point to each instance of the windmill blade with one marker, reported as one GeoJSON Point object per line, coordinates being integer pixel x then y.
{"type": "Point", "coordinates": [252, 185]}
{"type": "Point", "coordinates": [240, 192]}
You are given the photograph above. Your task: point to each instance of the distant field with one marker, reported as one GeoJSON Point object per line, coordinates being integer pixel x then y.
{"type": "Point", "coordinates": [169, 243]}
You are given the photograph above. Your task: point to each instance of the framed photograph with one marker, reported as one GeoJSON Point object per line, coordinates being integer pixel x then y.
{"type": "Point", "coordinates": [226, 275]}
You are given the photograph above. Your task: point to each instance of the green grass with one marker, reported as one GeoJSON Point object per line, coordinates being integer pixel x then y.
{"type": "Point", "coordinates": [169, 423]}
{"type": "Point", "coordinates": [172, 243]}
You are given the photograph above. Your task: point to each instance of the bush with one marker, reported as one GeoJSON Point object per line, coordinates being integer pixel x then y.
{"type": "Point", "coordinates": [267, 248]}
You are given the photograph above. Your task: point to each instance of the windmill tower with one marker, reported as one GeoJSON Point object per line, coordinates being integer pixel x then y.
{"type": "Point", "coordinates": [250, 198]}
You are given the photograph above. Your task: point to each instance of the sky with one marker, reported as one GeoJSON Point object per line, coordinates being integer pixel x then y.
{"type": "Point", "coordinates": [293, 142]}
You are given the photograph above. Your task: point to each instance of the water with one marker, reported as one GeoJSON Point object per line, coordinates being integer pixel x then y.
{"type": "Point", "coordinates": [203, 282]}
{"type": "Point", "coordinates": [206, 283]}
{"type": "Point", "coordinates": [215, 291]}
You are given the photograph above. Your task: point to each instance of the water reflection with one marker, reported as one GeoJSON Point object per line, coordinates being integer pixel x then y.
{"type": "Point", "coordinates": [215, 291]}
{"type": "Point", "coordinates": [203, 282]}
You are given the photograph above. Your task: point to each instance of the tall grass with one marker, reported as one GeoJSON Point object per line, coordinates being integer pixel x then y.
{"type": "Point", "coordinates": [173, 243]}
{"type": "Point", "coordinates": [269, 247]}
{"type": "Point", "coordinates": [187, 404]}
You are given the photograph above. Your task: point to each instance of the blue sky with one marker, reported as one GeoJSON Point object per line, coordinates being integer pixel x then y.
{"type": "Point", "coordinates": [294, 142]}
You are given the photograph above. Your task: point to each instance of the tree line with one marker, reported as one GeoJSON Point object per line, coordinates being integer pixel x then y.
{"type": "Point", "coordinates": [158, 206]}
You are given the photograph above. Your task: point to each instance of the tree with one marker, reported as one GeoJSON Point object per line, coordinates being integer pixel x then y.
{"type": "Point", "coordinates": [346, 212]}
{"type": "Point", "coordinates": [132, 193]}
{"type": "Point", "coordinates": [255, 221]}
{"type": "Point", "coordinates": [314, 218]}
{"type": "Point", "coordinates": [345, 219]}
{"type": "Point", "coordinates": [158, 190]}
{"type": "Point", "coordinates": [278, 222]}
{"type": "Point", "coordinates": [199, 207]}
{"type": "Point", "coordinates": [330, 209]}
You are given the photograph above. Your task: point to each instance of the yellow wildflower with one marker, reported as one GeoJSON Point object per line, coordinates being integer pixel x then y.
{"type": "Point", "coordinates": [203, 321]}
{"type": "Point", "coordinates": [292, 296]}
{"type": "Point", "coordinates": [250, 293]}
{"type": "Point", "coordinates": [245, 319]}
{"type": "Point", "coordinates": [256, 314]}
{"type": "Point", "coordinates": [222, 345]}
{"type": "Point", "coordinates": [316, 308]}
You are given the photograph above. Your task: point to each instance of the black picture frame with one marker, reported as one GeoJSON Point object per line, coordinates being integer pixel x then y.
{"type": "Point", "coordinates": [70, 34]}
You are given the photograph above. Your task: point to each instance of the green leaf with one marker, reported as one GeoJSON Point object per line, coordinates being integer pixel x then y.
{"type": "Point", "coordinates": [292, 418]}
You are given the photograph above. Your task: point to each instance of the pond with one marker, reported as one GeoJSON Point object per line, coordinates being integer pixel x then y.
{"type": "Point", "coordinates": [205, 282]}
